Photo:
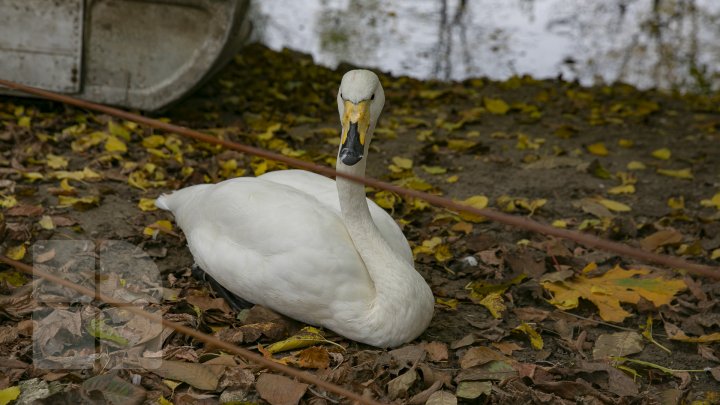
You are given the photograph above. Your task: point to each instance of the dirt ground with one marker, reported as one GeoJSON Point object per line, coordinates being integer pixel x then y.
{"type": "Point", "coordinates": [639, 167]}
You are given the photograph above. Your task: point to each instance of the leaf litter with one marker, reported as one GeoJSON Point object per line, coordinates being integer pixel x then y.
{"type": "Point", "coordinates": [518, 317]}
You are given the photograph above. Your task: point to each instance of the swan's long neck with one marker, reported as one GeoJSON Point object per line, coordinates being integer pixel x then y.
{"type": "Point", "coordinates": [401, 294]}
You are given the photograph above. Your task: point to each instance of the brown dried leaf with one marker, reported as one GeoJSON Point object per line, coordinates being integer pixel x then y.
{"type": "Point", "coordinates": [437, 351]}
{"type": "Point", "coordinates": [280, 390]}
{"type": "Point", "coordinates": [476, 356]}
{"type": "Point", "coordinates": [617, 344]}
{"type": "Point", "coordinates": [201, 376]}
{"type": "Point", "coordinates": [400, 385]}
{"type": "Point", "coordinates": [663, 237]}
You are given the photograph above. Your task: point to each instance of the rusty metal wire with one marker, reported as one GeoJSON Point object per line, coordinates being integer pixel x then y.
{"type": "Point", "coordinates": [515, 221]}
{"type": "Point", "coordinates": [205, 338]}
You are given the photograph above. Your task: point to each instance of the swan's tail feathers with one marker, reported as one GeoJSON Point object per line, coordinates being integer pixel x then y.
{"type": "Point", "coordinates": [162, 202]}
{"type": "Point", "coordinates": [178, 198]}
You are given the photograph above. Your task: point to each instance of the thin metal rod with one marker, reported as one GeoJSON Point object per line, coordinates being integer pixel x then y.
{"type": "Point", "coordinates": [515, 221]}
{"type": "Point", "coordinates": [205, 338]}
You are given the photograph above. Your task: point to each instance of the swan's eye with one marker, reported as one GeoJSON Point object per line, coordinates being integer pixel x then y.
{"type": "Point", "coordinates": [373, 97]}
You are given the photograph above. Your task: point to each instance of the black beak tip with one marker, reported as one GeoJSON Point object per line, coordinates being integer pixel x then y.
{"type": "Point", "coordinates": [349, 158]}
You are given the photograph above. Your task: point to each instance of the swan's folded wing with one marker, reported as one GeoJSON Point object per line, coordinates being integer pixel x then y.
{"type": "Point", "coordinates": [274, 246]}
{"type": "Point", "coordinates": [325, 191]}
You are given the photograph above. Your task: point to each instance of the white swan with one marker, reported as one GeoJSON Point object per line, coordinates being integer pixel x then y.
{"type": "Point", "coordinates": [311, 248]}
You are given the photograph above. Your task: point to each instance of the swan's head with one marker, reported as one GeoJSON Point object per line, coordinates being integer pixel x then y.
{"type": "Point", "coordinates": [360, 101]}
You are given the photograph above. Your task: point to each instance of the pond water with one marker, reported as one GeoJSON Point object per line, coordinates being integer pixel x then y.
{"type": "Point", "coordinates": [669, 44]}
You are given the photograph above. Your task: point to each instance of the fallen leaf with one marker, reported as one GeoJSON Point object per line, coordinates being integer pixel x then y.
{"type": "Point", "coordinates": [613, 205]}
{"type": "Point", "coordinates": [201, 376]}
{"type": "Point", "coordinates": [617, 344]}
{"type": "Point", "coordinates": [662, 154]}
{"type": "Point", "coordinates": [476, 356]}
{"type": "Point", "coordinates": [437, 351]}
{"type": "Point", "coordinates": [507, 348]}
{"type": "Point", "coordinates": [680, 174]}
{"type": "Point", "coordinates": [676, 333]}
{"type": "Point", "coordinates": [536, 340]}
{"type": "Point", "coordinates": [46, 222]}
{"type": "Point", "coordinates": [400, 385]}
{"type": "Point", "coordinates": [313, 357]}
{"type": "Point", "coordinates": [713, 202]}
{"type": "Point", "coordinates": [442, 398]}
{"type": "Point", "coordinates": [16, 252]}
{"type": "Point", "coordinates": [308, 336]}
{"type": "Point", "coordinates": [147, 204]}
{"type": "Point", "coordinates": [477, 201]}
{"type": "Point", "coordinates": [114, 389]}
{"type": "Point", "coordinates": [609, 290]}
{"type": "Point", "coordinates": [473, 389]}
{"type": "Point", "coordinates": [598, 149]}
{"type": "Point", "coordinates": [56, 162]}
{"type": "Point", "coordinates": [664, 237]}
{"type": "Point", "coordinates": [9, 394]}
{"type": "Point", "coordinates": [280, 390]}
{"type": "Point", "coordinates": [114, 144]}
{"type": "Point", "coordinates": [635, 165]}
{"type": "Point", "coordinates": [496, 106]}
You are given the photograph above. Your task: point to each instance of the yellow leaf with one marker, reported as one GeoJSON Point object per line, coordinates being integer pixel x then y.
{"type": "Point", "coordinates": [680, 174]}
{"type": "Point", "coordinates": [536, 340]}
{"type": "Point", "coordinates": [147, 204]}
{"type": "Point", "coordinates": [155, 227]}
{"type": "Point", "coordinates": [118, 130]}
{"type": "Point", "coordinates": [16, 252]}
{"type": "Point", "coordinates": [153, 141]}
{"type": "Point", "coordinates": [613, 205]}
{"type": "Point", "coordinates": [56, 162]}
{"type": "Point", "coordinates": [560, 223]}
{"type": "Point", "coordinates": [163, 401]}
{"type": "Point", "coordinates": [434, 169]}
{"type": "Point", "coordinates": [609, 290]}
{"type": "Point", "coordinates": [496, 106]}
{"type": "Point", "coordinates": [114, 144]}
{"type": "Point", "coordinates": [385, 199]}
{"type": "Point", "coordinates": [24, 122]}
{"type": "Point", "coordinates": [66, 201]}
{"type": "Point", "coordinates": [7, 201]}
{"type": "Point", "coordinates": [65, 186]}
{"type": "Point", "coordinates": [676, 203]}
{"type": "Point", "coordinates": [494, 303]}
{"type": "Point", "coordinates": [308, 336]}
{"type": "Point", "coordinates": [624, 189]}
{"type": "Point", "coordinates": [625, 143]}
{"type": "Point", "coordinates": [46, 222]}
{"type": "Point", "coordinates": [32, 176]}
{"type": "Point", "coordinates": [713, 202]}
{"type": "Point", "coordinates": [403, 163]}
{"type": "Point", "coordinates": [452, 179]}
{"type": "Point", "coordinates": [270, 132]}
{"type": "Point", "coordinates": [414, 183]}
{"type": "Point", "coordinates": [635, 165]}
{"type": "Point", "coordinates": [477, 201]}
{"type": "Point", "coordinates": [598, 149]}
{"type": "Point", "coordinates": [448, 303]}
{"type": "Point", "coordinates": [9, 394]}
{"type": "Point", "coordinates": [715, 254]}
{"type": "Point", "coordinates": [13, 278]}
{"type": "Point", "coordinates": [663, 153]}
{"type": "Point", "coordinates": [460, 145]}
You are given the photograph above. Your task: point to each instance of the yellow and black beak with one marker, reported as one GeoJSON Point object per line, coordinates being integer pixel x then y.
{"type": "Point", "coordinates": [355, 124]}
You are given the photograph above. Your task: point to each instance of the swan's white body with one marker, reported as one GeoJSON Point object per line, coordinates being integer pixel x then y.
{"type": "Point", "coordinates": [311, 248]}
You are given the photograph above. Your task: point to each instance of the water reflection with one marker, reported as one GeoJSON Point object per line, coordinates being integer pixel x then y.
{"type": "Point", "coordinates": [651, 43]}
